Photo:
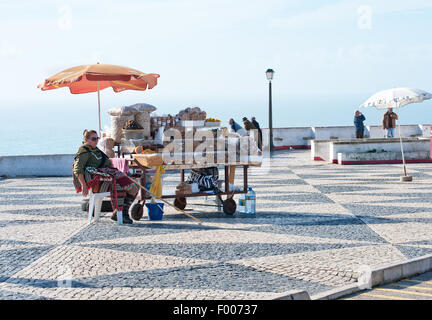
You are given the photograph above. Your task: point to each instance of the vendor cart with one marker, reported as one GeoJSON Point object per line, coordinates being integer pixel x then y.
{"type": "Point", "coordinates": [183, 136]}
{"type": "Point", "coordinates": [180, 200]}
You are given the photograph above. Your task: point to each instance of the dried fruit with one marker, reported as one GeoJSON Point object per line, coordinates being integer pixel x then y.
{"type": "Point", "coordinates": [132, 125]}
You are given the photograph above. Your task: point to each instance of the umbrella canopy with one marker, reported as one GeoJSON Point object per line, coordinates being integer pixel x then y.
{"type": "Point", "coordinates": [396, 98]}
{"type": "Point", "coordinates": [96, 77]}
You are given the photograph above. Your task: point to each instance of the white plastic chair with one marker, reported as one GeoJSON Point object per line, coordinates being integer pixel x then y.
{"type": "Point", "coordinates": [95, 204]}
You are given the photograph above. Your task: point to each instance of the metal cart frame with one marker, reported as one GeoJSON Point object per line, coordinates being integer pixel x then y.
{"type": "Point", "coordinates": [229, 205]}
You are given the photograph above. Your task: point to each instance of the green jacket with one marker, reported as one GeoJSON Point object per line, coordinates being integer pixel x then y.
{"type": "Point", "coordinates": [89, 157]}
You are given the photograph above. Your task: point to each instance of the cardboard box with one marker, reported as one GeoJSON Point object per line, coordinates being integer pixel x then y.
{"type": "Point", "coordinates": [149, 160]}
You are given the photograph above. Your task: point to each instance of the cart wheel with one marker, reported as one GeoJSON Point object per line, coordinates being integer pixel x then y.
{"type": "Point", "coordinates": [136, 211]}
{"type": "Point", "coordinates": [229, 206]}
{"type": "Point", "coordinates": [180, 203]}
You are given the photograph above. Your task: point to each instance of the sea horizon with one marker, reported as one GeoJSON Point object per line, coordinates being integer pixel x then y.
{"type": "Point", "coordinates": [56, 128]}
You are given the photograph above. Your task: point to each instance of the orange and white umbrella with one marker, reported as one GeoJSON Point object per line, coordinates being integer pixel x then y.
{"type": "Point", "coordinates": [96, 77]}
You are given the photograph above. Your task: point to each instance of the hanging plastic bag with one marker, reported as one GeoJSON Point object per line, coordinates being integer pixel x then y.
{"type": "Point", "coordinates": [156, 186]}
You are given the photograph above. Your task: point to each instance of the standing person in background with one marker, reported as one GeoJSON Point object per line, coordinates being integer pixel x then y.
{"type": "Point", "coordinates": [235, 127]}
{"type": "Point", "coordinates": [248, 127]}
{"type": "Point", "coordinates": [256, 124]}
{"type": "Point", "coordinates": [358, 123]}
{"type": "Point", "coordinates": [389, 123]}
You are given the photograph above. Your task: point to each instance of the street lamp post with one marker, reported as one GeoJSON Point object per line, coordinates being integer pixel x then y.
{"type": "Point", "coordinates": [269, 74]}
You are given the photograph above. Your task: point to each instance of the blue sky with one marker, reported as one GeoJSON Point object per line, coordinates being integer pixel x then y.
{"type": "Point", "coordinates": [214, 53]}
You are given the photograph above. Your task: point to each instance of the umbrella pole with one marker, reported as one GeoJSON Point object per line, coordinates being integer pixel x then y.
{"type": "Point", "coordinates": [403, 155]}
{"type": "Point", "coordinates": [405, 177]}
{"type": "Point", "coordinates": [99, 113]}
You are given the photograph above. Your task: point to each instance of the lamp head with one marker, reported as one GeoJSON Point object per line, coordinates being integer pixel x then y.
{"type": "Point", "coordinates": [269, 74]}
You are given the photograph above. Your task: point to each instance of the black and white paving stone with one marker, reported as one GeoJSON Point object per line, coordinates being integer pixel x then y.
{"type": "Point", "coordinates": [316, 225]}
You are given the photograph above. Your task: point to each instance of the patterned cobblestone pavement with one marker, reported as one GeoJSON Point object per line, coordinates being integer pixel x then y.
{"type": "Point", "coordinates": [317, 225]}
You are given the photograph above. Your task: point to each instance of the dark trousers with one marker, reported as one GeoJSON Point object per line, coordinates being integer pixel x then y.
{"type": "Point", "coordinates": [359, 134]}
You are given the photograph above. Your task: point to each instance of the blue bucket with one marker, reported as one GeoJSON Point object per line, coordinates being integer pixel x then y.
{"type": "Point", "coordinates": [155, 211]}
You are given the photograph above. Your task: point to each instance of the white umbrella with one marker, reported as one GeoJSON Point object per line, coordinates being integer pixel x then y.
{"type": "Point", "coordinates": [397, 98]}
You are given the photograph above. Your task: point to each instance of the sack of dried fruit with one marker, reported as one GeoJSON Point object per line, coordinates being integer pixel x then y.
{"type": "Point", "coordinates": [117, 124]}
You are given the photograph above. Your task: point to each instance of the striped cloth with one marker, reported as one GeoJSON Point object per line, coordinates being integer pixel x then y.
{"type": "Point", "coordinates": [205, 178]}
{"type": "Point", "coordinates": [106, 179]}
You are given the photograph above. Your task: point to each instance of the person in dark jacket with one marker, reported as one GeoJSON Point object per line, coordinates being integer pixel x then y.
{"type": "Point", "coordinates": [358, 123]}
{"type": "Point", "coordinates": [389, 123]}
{"type": "Point", "coordinates": [250, 126]}
{"type": "Point", "coordinates": [256, 124]}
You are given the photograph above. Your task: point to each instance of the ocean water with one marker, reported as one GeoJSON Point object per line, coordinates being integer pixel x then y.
{"type": "Point", "coordinates": [56, 127]}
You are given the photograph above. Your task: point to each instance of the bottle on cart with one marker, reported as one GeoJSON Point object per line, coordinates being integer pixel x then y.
{"type": "Point", "coordinates": [251, 202]}
{"type": "Point", "coordinates": [241, 203]}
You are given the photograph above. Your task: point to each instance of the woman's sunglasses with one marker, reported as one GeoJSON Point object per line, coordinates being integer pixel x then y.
{"type": "Point", "coordinates": [94, 139]}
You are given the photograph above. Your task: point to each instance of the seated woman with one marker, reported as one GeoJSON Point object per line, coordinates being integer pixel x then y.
{"type": "Point", "coordinates": [93, 169]}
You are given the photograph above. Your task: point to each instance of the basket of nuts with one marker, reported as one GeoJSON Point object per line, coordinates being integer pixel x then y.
{"type": "Point", "coordinates": [132, 130]}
